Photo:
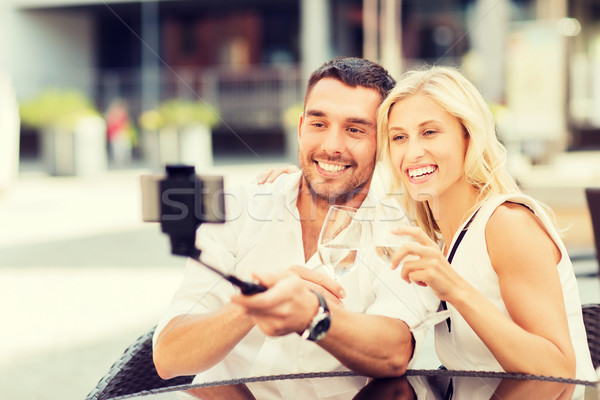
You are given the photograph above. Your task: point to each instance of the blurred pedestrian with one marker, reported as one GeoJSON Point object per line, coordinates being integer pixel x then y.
{"type": "Point", "coordinates": [120, 132]}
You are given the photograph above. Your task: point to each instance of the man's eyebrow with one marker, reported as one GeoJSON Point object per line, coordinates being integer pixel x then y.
{"type": "Point", "coordinates": [315, 113]}
{"type": "Point", "coordinates": [352, 120]}
{"type": "Point", "coordinates": [361, 121]}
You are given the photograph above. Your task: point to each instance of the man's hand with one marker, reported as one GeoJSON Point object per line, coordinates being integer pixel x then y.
{"type": "Point", "coordinates": [270, 174]}
{"type": "Point", "coordinates": [287, 306]}
{"type": "Point", "coordinates": [372, 345]}
{"type": "Point", "coordinates": [323, 283]}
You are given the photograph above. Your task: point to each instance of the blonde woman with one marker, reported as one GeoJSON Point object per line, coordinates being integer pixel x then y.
{"type": "Point", "coordinates": [510, 287]}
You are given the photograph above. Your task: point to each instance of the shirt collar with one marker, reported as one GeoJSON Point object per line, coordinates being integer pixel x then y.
{"type": "Point", "coordinates": [291, 186]}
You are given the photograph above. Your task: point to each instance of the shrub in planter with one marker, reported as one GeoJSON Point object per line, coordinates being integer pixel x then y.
{"type": "Point", "coordinates": [180, 131]}
{"type": "Point", "coordinates": [73, 134]}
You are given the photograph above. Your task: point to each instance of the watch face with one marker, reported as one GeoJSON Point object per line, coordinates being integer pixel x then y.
{"type": "Point", "coordinates": [320, 330]}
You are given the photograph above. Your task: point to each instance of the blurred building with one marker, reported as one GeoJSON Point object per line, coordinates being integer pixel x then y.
{"type": "Point", "coordinates": [538, 61]}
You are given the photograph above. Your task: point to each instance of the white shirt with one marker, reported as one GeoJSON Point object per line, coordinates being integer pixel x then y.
{"type": "Point", "coordinates": [263, 232]}
{"type": "Point", "coordinates": [461, 348]}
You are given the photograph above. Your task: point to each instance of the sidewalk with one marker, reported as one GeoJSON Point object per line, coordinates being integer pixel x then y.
{"type": "Point", "coordinates": [81, 276]}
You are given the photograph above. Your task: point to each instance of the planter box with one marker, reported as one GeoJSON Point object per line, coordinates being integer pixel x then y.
{"type": "Point", "coordinates": [78, 152]}
{"type": "Point", "coordinates": [192, 146]}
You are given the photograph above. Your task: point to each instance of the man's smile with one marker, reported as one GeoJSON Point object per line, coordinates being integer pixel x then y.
{"type": "Point", "coordinates": [329, 168]}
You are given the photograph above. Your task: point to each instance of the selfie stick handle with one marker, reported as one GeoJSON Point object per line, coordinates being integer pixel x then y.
{"type": "Point", "coordinates": [246, 288]}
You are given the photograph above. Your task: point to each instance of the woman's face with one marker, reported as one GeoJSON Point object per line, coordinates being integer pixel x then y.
{"type": "Point", "coordinates": [427, 148]}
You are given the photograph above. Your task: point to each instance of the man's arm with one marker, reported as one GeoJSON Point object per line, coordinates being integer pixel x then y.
{"type": "Point", "coordinates": [201, 326]}
{"type": "Point", "coordinates": [192, 343]}
{"type": "Point", "coordinates": [373, 345]}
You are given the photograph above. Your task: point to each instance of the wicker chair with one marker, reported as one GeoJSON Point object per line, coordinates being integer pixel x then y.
{"type": "Point", "coordinates": [593, 200]}
{"type": "Point", "coordinates": [134, 372]}
{"type": "Point", "coordinates": [591, 318]}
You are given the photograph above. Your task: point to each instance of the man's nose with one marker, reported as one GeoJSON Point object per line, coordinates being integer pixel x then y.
{"type": "Point", "coordinates": [333, 141]}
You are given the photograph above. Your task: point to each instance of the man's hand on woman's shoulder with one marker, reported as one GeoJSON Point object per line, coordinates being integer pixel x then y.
{"type": "Point", "coordinates": [270, 174]}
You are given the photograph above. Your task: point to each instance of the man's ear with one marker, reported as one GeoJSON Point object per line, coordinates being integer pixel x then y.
{"type": "Point", "coordinates": [300, 121]}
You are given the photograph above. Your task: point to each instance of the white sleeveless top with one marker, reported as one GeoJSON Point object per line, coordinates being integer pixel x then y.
{"type": "Point", "coordinates": [461, 349]}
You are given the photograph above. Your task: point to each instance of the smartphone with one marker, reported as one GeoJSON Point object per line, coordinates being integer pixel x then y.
{"type": "Point", "coordinates": [202, 193]}
{"type": "Point", "coordinates": [181, 200]}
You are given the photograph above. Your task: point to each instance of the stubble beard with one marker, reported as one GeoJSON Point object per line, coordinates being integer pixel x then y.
{"type": "Point", "coordinates": [354, 186]}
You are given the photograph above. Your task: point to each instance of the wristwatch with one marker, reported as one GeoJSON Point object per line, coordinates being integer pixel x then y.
{"type": "Point", "coordinates": [320, 323]}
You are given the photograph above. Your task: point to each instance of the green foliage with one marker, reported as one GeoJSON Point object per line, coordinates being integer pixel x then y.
{"type": "Point", "coordinates": [57, 108]}
{"type": "Point", "coordinates": [291, 115]}
{"type": "Point", "coordinates": [178, 114]}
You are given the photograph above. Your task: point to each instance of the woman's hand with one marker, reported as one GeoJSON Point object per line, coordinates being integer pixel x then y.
{"type": "Point", "coordinates": [425, 264]}
{"type": "Point", "coordinates": [270, 174]}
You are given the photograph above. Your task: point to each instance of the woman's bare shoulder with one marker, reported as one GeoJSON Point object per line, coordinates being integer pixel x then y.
{"type": "Point", "coordinates": [515, 236]}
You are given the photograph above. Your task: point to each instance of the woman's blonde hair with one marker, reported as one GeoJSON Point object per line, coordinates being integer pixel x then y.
{"type": "Point", "coordinates": [485, 159]}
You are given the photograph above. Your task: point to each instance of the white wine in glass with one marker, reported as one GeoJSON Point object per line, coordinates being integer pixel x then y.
{"type": "Point", "coordinates": [340, 240]}
{"type": "Point", "coordinates": [337, 258]}
{"type": "Point", "coordinates": [388, 216]}
{"type": "Point", "coordinates": [385, 251]}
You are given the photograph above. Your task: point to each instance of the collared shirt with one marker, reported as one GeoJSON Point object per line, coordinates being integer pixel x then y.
{"type": "Point", "coordinates": [263, 232]}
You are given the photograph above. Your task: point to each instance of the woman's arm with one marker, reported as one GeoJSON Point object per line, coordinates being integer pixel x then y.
{"type": "Point", "coordinates": [536, 340]}
{"type": "Point", "coordinates": [525, 259]}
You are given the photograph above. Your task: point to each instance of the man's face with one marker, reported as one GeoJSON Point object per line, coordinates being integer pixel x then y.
{"type": "Point", "coordinates": [338, 139]}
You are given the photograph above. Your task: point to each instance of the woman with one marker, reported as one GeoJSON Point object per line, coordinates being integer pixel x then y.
{"type": "Point", "coordinates": [510, 288]}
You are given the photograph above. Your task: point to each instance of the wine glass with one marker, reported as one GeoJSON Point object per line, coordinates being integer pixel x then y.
{"type": "Point", "coordinates": [386, 243]}
{"type": "Point", "coordinates": [387, 216]}
{"type": "Point", "coordinates": [341, 237]}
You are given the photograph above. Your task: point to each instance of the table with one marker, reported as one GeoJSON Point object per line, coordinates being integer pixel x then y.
{"type": "Point", "coordinates": [416, 384]}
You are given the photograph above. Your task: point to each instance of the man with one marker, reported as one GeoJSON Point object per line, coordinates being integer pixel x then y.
{"type": "Point", "coordinates": [213, 332]}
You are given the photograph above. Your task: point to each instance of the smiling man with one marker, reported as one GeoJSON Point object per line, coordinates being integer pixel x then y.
{"type": "Point", "coordinates": [337, 141]}
{"type": "Point", "coordinates": [305, 321]}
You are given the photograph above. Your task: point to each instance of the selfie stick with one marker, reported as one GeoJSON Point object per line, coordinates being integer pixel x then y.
{"type": "Point", "coordinates": [183, 209]}
{"type": "Point", "coordinates": [246, 288]}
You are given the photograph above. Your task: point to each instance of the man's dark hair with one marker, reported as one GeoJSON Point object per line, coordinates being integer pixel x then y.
{"type": "Point", "coordinates": [353, 72]}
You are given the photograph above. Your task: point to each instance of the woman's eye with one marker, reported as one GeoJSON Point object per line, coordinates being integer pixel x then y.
{"type": "Point", "coordinates": [398, 137]}
{"type": "Point", "coordinates": [429, 132]}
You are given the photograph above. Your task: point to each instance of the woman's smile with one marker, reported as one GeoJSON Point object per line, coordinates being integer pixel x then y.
{"type": "Point", "coordinates": [428, 145]}
{"type": "Point", "coordinates": [420, 174]}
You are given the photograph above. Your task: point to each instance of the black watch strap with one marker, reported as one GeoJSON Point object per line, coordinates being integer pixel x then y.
{"type": "Point", "coordinates": [320, 323]}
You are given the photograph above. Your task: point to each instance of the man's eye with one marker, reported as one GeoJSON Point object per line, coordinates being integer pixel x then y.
{"type": "Point", "coordinates": [354, 130]}
{"type": "Point", "coordinates": [318, 125]}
